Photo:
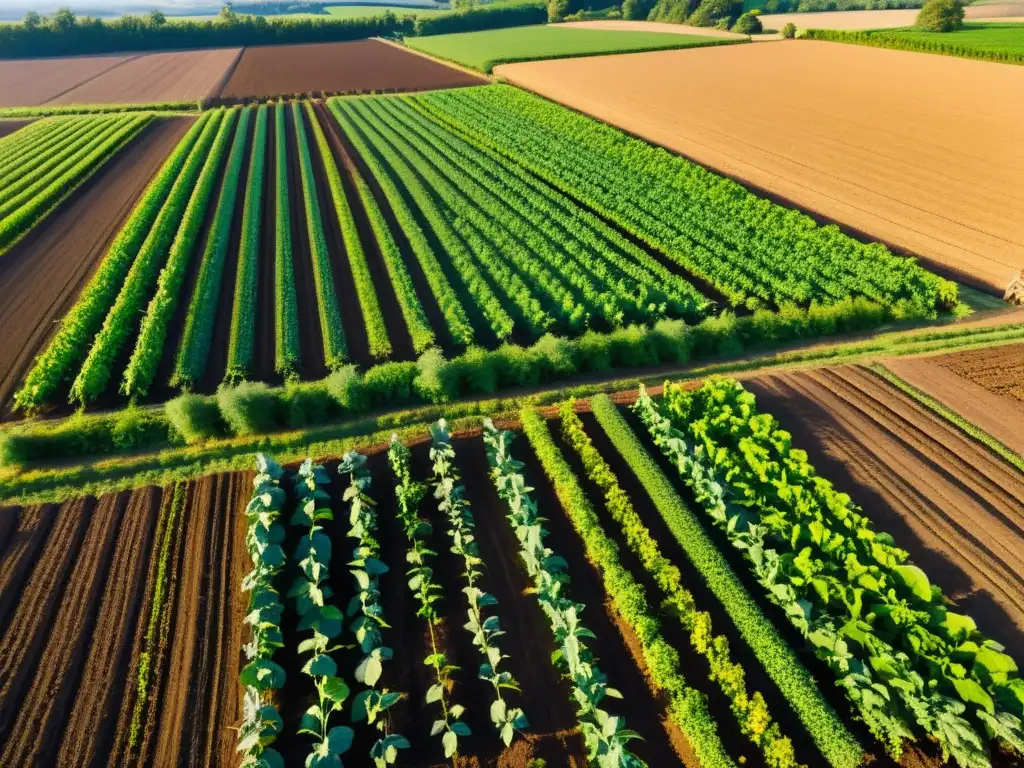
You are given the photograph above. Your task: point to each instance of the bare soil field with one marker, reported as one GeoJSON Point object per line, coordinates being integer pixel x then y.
{"type": "Point", "coordinates": [857, 20]}
{"type": "Point", "coordinates": [7, 127]}
{"type": "Point", "coordinates": [31, 82]}
{"type": "Point", "coordinates": [924, 153]}
{"type": "Point", "coordinates": [333, 68]}
{"type": "Point", "coordinates": [41, 277]}
{"type": "Point", "coordinates": [985, 386]}
{"type": "Point", "coordinates": [955, 506]}
{"type": "Point", "coordinates": [156, 77]}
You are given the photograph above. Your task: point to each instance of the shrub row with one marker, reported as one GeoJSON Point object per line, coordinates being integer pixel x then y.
{"type": "Point", "coordinates": [99, 109]}
{"type": "Point", "coordinates": [121, 320]}
{"type": "Point", "coordinates": [286, 308]}
{"type": "Point", "coordinates": [458, 325]}
{"type": "Point", "coordinates": [71, 341]}
{"type": "Point", "coordinates": [197, 337]}
{"type": "Point", "coordinates": [836, 744]}
{"type": "Point", "coordinates": [687, 706]}
{"type": "Point", "coordinates": [896, 41]}
{"type": "Point", "coordinates": [331, 329]}
{"type": "Point", "coordinates": [373, 319]}
{"type": "Point", "coordinates": [243, 310]}
{"type": "Point", "coordinates": [149, 345]}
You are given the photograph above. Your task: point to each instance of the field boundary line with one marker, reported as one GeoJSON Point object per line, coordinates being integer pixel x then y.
{"type": "Point", "coordinates": [968, 428]}
{"type": "Point", "coordinates": [225, 78]}
{"type": "Point", "coordinates": [448, 63]}
{"type": "Point", "coordinates": [90, 79]}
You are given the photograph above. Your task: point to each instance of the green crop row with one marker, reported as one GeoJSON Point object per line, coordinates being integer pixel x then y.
{"type": "Point", "coordinates": [149, 345]}
{"type": "Point", "coordinates": [243, 311]}
{"type": "Point", "coordinates": [636, 279]}
{"type": "Point", "coordinates": [836, 744]}
{"type": "Point", "coordinates": [900, 42]}
{"type": "Point", "coordinates": [33, 161]}
{"type": "Point", "coordinates": [905, 660]}
{"type": "Point", "coordinates": [605, 735]}
{"type": "Point", "coordinates": [459, 327]}
{"type": "Point", "coordinates": [415, 317]}
{"type": "Point", "coordinates": [198, 334]}
{"type": "Point", "coordinates": [121, 321]}
{"type": "Point", "coordinates": [286, 308]}
{"type": "Point", "coordinates": [36, 138]}
{"type": "Point", "coordinates": [43, 196]}
{"type": "Point", "coordinates": [373, 319]}
{"type": "Point", "coordinates": [71, 342]}
{"type": "Point", "coordinates": [754, 252]}
{"type": "Point", "coordinates": [335, 350]}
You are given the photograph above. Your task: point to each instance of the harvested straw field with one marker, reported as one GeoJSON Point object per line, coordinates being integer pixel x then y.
{"type": "Point", "coordinates": [931, 163]}
{"type": "Point", "coordinates": [157, 77]}
{"type": "Point", "coordinates": [362, 66]}
{"type": "Point", "coordinates": [954, 505]}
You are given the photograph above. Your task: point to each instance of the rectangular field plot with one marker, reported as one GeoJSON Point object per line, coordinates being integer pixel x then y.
{"type": "Point", "coordinates": [362, 66]}
{"type": "Point", "coordinates": [31, 82]}
{"type": "Point", "coordinates": [923, 152]}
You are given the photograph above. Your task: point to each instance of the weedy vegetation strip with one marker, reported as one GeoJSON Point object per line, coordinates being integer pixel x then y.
{"type": "Point", "coordinates": [286, 308]}
{"type": "Point", "coordinates": [835, 742]}
{"type": "Point", "coordinates": [120, 322]}
{"type": "Point", "coordinates": [459, 327]}
{"type": "Point", "coordinates": [461, 528]}
{"type": "Point", "coordinates": [149, 346]}
{"type": "Point", "coordinates": [261, 676]}
{"type": "Point", "coordinates": [366, 567]}
{"type": "Point", "coordinates": [750, 710]}
{"type": "Point", "coordinates": [906, 661]}
{"type": "Point", "coordinates": [373, 319]}
{"type": "Point", "coordinates": [71, 342]}
{"type": "Point", "coordinates": [318, 615]}
{"type": "Point", "coordinates": [243, 311]}
{"type": "Point", "coordinates": [605, 735]}
{"type": "Point", "coordinates": [335, 350]}
{"type": "Point", "coordinates": [427, 592]}
{"type": "Point", "coordinates": [197, 337]}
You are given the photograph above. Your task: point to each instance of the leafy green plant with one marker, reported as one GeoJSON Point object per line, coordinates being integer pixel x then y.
{"type": "Point", "coordinates": [427, 593]}
{"type": "Point", "coordinates": [450, 496]}
{"type": "Point", "coordinates": [605, 735]}
{"type": "Point", "coordinates": [318, 615]}
{"type": "Point", "coordinates": [261, 676]}
{"type": "Point", "coordinates": [286, 308]}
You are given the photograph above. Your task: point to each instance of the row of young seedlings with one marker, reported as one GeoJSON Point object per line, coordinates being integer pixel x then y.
{"type": "Point", "coordinates": [261, 676]}
{"type": "Point", "coordinates": [605, 735]}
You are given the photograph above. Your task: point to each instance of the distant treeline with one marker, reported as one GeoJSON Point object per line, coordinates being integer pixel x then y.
{"type": "Point", "coordinates": [276, 9]}
{"type": "Point", "coordinates": [65, 34]}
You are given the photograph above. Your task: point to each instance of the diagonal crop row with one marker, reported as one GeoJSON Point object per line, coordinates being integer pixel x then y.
{"type": "Point", "coordinates": [286, 308]}
{"type": "Point", "coordinates": [486, 630]}
{"type": "Point", "coordinates": [335, 350]}
{"type": "Point", "coordinates": [366, 568]}
{"type": "Point", "coordinates": [905, 660]}
{"type": "Point", "coordinates": [36, 138]}
{"type": "Point", "coordinates": [373, 319]}
{"type": "Point", "coordinates": [197, 337]}
{"type": "Point", "coordinates": [149, 345]}
{"type": "Point", "coordinates": [317, 614]}
{"type": "Point", "coordinates": [43, 196]}
{"type": "Point", "coordinates": [750, 710]}
{"type": "Point", "coordinates": [121, 319]}
{"type": "Point", "coordinates": [71, 342]}
{"type": "Point", "coordinates": [427, 593]}
{"type": "Point", "coordinates": [261, 676]}
{"type": "Point", "coordinates": [605, 735]}
{"type": "Point", "coordinates": [835, 742]}
{"type": "Point", "coordinates": [243, 311]}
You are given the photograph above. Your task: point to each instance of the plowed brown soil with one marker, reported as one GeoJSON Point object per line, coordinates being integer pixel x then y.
{"type": "Point", "coordinates": [922, 152]}
{"type": "Point", "coordinates": [31, 82]}
{"type": "Point", "coordinates": [157, 77]}
{"type": "Point", "coordinates": [332, 68]}
{"type": "Point", "coordinates": [957, 508]}
{"type": "Point", "coordinates": [985, 397]}
{"type": "Point", "coordinates": [41, 277]}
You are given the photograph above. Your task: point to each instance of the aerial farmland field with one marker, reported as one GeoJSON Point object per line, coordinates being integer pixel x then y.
{"type": "Point", "coordinates": [938, 176]}
{"type": "Point", "coordinates": [360, 410]}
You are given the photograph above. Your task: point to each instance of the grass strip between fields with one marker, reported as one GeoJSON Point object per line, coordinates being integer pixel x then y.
{"type": "Point", "coordinates": [161, 107]}
{"type": "Point", "coordinates": [968, 428]}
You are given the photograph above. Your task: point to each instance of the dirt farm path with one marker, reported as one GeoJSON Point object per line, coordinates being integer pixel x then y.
{"type": "Point", "coordinates": [956, 507]}
{"type": "Point", "coordinates": [41, 277]}
{"type": "Point", "coordinates": [932, 163]}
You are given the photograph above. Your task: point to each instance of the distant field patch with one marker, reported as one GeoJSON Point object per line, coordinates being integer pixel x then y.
{"type": "Point", "coordinates": [991, 37]}
{"type": "Point", "coordinates": [485, 50]}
